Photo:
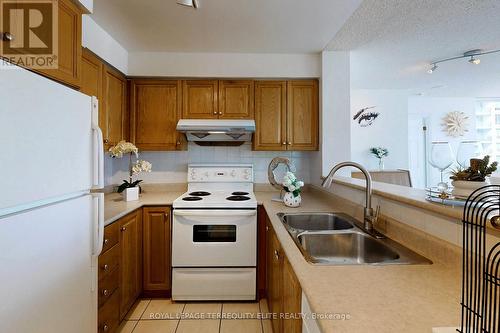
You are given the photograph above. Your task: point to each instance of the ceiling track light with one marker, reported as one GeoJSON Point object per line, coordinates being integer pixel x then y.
{"type": "Point", "coordinates": [189, 3]}
{"type": "Point", "coordinates": [472, 54]}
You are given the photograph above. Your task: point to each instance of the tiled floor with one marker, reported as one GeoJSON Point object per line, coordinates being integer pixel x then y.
{"type": "Point", "coordinates": [165, 316]}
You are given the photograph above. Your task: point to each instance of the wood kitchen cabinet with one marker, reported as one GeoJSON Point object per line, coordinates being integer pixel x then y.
{"type": "Point", "coordinates": [274, 277]}
{"type": "Point", "coordinates": [286, 115]}
{"type": "Point", "coordinates": [200, 99]}
{"type": "Point", "coordinates": [212, 99]}
{"type": "Point", "coordinates": [284, 293]}
{"type": "Point", "coordinates": [157, 264]}
{"type": "Point", "coordinates": [69, 45]}
{"type": "Point", "coordinates": [270, 116]}
{"type": "Point", "coordinates": [156, 107]}
{"type": "Point", "coordinates": [114, 107]}
{"type": "Point", "coordinates": [130, 242]}
{"type": "Point", "coordinates": [236, 99]}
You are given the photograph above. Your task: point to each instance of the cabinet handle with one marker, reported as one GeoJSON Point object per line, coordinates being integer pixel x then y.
{"type": "Point", "coordinates": [106, 141]}
{"type": "Point", "coordinates": [123, 228]}
{"type": "Point", "coordinates": [276, 254]}
{"type": "Point", "coordinates": [8, 37]}
{"type": "Point", "coordinates": [105, 328]}
{"type": "Point", "coordinates": [267, 228]}
{"type": "Point", "coordinates": [284, 143]}
{"type": "Point", "coordinates": [215, 112]}
{"type": "Point", "coordinates": [178, 143]}
{"type": "Point", "coordinates": [220, 112]}
{"type": "Point", "coordinates": [105, 267]}
{"type": "Point", "coordinates": [106, 241]}
{"type": "Point", "coordinates": [105, 292]}
{"type": "Point", "coordinates": [289, 143]}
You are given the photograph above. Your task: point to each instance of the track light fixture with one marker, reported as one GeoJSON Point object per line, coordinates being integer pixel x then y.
{"type": "Point", "coordinates": [472, 54]}
{"type": "Point", "coordinates": [188, 3]}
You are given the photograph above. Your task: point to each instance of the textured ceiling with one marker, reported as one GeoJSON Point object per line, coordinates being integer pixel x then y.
{"type": "Point", "coordinates": [247, 26]}
{"type": "Point", "coordinates": [392, 42]}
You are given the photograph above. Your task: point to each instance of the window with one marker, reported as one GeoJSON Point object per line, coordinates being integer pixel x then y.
{"type": "Point", "coordinates": [488, 127]}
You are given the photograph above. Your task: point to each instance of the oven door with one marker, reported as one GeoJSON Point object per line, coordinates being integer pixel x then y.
{"type": "Point", "coordinates": [214, 238]}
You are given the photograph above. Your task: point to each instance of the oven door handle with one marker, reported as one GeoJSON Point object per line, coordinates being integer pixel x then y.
{"type": "Point", "coordinates": [226, 212]}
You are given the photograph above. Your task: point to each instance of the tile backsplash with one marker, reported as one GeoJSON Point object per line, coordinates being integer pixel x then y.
{"type": "Point", "coordinates": [171, 167]}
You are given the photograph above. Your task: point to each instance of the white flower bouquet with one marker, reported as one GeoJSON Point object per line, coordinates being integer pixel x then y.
{"type": "Point", "coordinates": [135, 168]}
{"type": "Point", "coordinates": [292, 184]}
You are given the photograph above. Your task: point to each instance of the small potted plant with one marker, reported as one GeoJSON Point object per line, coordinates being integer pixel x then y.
{"type": "Point", "coordinates": [130, 189]}
{"type": "Point", "coordinates": [466, 181]}
{"type": "Point", "coordinates": [380, 153]}
{"type": "Point", "coordinates": [292, 187]}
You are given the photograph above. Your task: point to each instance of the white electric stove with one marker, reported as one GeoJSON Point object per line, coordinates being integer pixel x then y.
{"type": "Point", "coordinates": [214, 235]}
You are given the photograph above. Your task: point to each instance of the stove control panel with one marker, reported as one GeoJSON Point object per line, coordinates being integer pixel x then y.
{"type": "Point", "coordinates": [220, 173]}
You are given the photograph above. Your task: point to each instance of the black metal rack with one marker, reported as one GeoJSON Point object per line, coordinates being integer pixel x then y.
{"type": "Point", "coordinates": [480, 273]}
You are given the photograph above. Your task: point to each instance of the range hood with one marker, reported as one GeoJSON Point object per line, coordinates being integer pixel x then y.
{"type": "Point", "coordinates": [220, 132]}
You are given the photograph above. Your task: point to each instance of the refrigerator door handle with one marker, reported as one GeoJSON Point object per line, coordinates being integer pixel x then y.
{"type": "Point", "coordinates": [98, 223]}
{"type": "Point", "coordinates": [98, 181]}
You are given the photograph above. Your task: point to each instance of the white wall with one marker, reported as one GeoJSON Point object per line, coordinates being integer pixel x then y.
{"type": "Point", "coordinates": [389, 130]}
{"type": "Point", "coordinates": [224, 64]}
{"type": "Point", "coordinates": [101, 43]}
{"type": "Point", "coordinates": [335, 109]}
{"type": "Point", "coordinates": [171, 167]}
{"type": "Point", "coordinates": [433, 109]}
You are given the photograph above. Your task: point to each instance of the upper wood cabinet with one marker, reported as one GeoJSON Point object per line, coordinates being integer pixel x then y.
{"type": "Point", "coordinates": [270, 115]}
{"type": "Point", "coordinates": [92, 66]}
{"type": "Point", "coordinates": [157, 267]}
{"type": "Point", "coordinates": [212, 99]}
{"type": "Point", "coordinates": [302, 115]}
{"type": "Point", "coordinates": [200, 99]}
{"type": "Point", "coordinates": [114, 106]}
{"type": "Point", "coordinates": [286, 115]}
{"type": "Point", "coordinates": [131, 260]}
{"type": "Point", "coordinates": [236, 99]}
{"type": "Point", "coordinates": [155, 110]}
{"type": "Point", "coordinates": [69, 45]}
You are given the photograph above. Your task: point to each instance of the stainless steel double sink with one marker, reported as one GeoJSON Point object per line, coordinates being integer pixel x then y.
{"type": "Point", "coordinates": [339, 239]}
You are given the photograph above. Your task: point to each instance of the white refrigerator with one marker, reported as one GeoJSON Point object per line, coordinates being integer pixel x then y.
{"type": "Point", "coordinates": [51, 225]}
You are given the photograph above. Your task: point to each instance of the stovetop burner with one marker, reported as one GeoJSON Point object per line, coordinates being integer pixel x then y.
{"type": "Point", "coordinates": [200, 193]}
{"type": "Point", "coordinates": [191, 198]}
{"type": "Point", "coordinates": [239, 193]}
{"type": "Point", "coordinates": [238, 198]}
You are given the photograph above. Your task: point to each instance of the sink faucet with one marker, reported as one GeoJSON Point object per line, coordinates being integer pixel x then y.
{"type": "Point", "coordinates": [369, 217]}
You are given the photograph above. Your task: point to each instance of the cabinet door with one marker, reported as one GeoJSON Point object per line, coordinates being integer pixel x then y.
{"type": "Point", "coordinates": [236, 99]}
{"type": "Point", "coordinates": [302, 115]}
{"type": "Point", "coordinates": [91, 83]}
{"type": "Point", "coordinates": [157, 265]}
{"type": "Point", "coordinates": [274, 277]}
{"type": "Point", "coordinates": [69, 45]}
{"type": "Point", "coordinates": [270, 116]}
{"type": "Point", "coordinates": [292, 296]}
{"type": "Point", "coordinates": [200, 99]}
{"type": "Point", "coordinates": [155, 110]}
{"type": "Point", "coordinates": [131, 260]}
{"type": "Point", "coordinates": [114, 106]}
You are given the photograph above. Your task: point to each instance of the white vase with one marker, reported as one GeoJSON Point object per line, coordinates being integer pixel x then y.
{"type": "Point", "coordinates": [291, 201]}
{"type": "Point", "coordinates": [131, 194]}
{"type": "Point", "coordinates": [463, 188]}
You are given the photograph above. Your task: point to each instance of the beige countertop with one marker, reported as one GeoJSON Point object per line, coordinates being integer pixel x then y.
{"type": "Point", "coordinates": [406, 298]}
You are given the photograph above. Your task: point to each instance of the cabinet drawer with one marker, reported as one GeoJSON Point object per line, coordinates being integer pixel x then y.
{"type": "Point", "coordinates": [111, 236]}
{"type": "Point", "coordinates": [109, 315]}
{"type": "Point", "coordinates": [108, 261]}
{"type": "Point", "coordinates": [108, 285]}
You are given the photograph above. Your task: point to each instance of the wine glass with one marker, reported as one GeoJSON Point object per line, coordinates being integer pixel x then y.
{"type": "Point", "coordinates": [441, 158]}
{"type": "Point", "coordinates": [467, 150]}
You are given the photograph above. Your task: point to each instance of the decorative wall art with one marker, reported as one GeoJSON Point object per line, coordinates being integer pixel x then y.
{"type": "Point", "coordinates": [455, 123]}
{"type": "Point", "coordinates": [364, 117]}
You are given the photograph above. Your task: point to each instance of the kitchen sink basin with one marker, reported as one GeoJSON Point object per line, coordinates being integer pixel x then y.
{"type": "Point", "coordinates": [339, 239]}
{"type": "Point", "coordinates": [346, 248]}
{"type": "Point", "coordinates": [317, 221]}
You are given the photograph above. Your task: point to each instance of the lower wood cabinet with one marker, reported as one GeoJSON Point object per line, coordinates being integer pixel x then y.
{"type": "Point", "coordinates": [157, 254]}
{"type": "Point", "coordinates": [131, 260]}
{"type": "Point", "coordinates": [284, 293]}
